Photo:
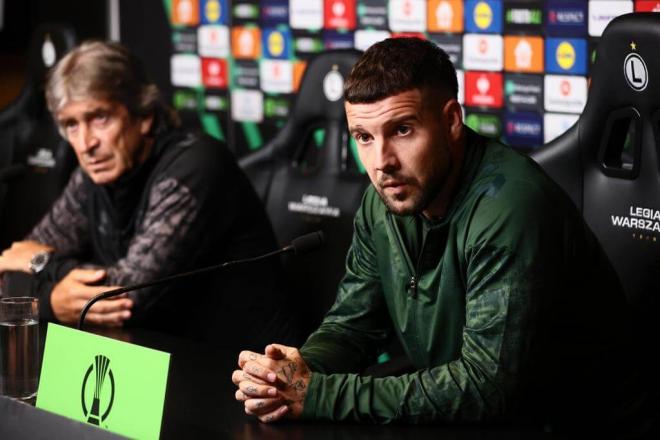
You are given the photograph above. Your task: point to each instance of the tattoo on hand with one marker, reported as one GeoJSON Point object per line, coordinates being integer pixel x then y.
{"type": "Point", "coordinates": [299, 386]}
{"type": "Point", "coordinates": [260, 404]}
{"type": "Point", "coordinates": [252, 357]}
{"type": "Point", "coordinates": [251, 389]}
{"type": "Point", "coordinates": [288, 372]}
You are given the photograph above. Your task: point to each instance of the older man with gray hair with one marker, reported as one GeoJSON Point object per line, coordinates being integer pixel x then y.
{"type": "Point", "coordinates": [147, 201]}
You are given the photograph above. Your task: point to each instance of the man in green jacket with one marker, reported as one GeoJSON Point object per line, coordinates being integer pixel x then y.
{"type": "Point", "coordinates": [473, 258]}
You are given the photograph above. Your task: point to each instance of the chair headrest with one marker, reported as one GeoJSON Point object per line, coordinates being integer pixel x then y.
{"type": "Point", "coordinates": [627, 65]}
{"type": "Point", "coordinates": [325, 72]}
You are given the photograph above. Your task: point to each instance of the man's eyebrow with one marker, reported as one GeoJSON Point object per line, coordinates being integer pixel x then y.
{"type": "Point", "coordinates": [402, 118]}
{"type": "Point", "coordinates": [356, 129]}
{"type": "Point", "coordinates": [86, 115]}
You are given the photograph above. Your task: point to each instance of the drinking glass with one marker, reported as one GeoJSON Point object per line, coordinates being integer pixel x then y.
{"type": "Point", "coordinates": [19, 347]}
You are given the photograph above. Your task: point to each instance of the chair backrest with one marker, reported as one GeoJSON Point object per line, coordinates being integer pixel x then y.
{"type": "Point", "coordinates": [30, 141]}
{"type": "Point", "coordinates": [307, 180]}
{"type": "Point", "coordinates": [609, 161]}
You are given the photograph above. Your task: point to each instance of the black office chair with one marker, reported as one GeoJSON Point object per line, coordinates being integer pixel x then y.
{"type": "Point", "coordinates": [35, 162]}
{"type": "Point", "coordinates": [310, 184]}
{"type": "Point", "coordinates": [609, 161]}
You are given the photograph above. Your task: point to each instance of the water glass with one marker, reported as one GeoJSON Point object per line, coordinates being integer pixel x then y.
{"type": "Point", "coordinates": [19, 347]}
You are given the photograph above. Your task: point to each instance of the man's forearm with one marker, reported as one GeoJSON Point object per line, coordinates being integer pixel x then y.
{"type": "Point", "coordinates": [448, 393]}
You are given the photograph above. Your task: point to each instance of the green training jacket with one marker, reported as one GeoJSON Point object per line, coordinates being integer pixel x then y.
{"type": "Point", "coordinates": [507, 307]}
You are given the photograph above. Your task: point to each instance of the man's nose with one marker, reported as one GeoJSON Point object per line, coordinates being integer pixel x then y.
{"type": "Point", "coordinates": [87, 139]}
{"type": "Point", "coordinates": [385, 159]}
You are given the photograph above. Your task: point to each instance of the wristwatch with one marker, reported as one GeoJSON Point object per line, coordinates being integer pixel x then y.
{"type": "Point", "coordinates": [39, 261]}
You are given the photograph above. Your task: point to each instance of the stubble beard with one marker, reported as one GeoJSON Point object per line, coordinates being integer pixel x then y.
{"type": "Point", "coordinates": [417, 199]}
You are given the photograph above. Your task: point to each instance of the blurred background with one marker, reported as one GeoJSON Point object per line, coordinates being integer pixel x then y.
{"type": "Point", "coordinates": [232, 67]}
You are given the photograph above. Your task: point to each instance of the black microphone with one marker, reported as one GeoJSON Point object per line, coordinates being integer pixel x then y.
{"type": "Point", "coordinates": [12, 172]}
{"type": "Point", "coordinates": [300, 245]}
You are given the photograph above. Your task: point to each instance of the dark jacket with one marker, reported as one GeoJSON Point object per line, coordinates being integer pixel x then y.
{"type": "Point", "coordinates": [507, 307]}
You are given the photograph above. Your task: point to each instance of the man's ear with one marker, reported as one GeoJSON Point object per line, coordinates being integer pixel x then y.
{"type": "Point", "coordinates": [453, 116]}
{"type": "Point", "coordinates": [145, 124]}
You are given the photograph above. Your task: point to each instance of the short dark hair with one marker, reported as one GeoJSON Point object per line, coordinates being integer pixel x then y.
{"type": "Point", "coordinates": [397, 65]}
{"type": "Point", "coordinates": [107, 70]}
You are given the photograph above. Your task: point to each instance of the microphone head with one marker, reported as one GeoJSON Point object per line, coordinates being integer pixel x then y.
{"type": "Point", "coordinates": [308, 242]}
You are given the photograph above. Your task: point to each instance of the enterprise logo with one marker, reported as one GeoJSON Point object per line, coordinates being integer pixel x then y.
{"type": "Point", "coordinates": [566, 55]}
{"type": "Point", "coordinates": [483, 16]}
{"type": "Point", "coordinates": [566, 18]}
{"type": "Point", "coordinates": [214, 12]}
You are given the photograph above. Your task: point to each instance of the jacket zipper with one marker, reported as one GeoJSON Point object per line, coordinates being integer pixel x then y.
{"type": "Point", "coordinates": [412, 286]}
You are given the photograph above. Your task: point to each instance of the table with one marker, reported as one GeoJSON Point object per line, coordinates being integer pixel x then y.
{"type": "Point", "coordinates": [200, 404]}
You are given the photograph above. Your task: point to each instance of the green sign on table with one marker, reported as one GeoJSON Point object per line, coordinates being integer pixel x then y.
{"type": "Point", "coordinates": [93, 379]}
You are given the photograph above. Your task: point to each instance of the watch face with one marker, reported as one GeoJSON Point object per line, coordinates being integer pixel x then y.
{"type": "Point", "coordinates": [39, 261]}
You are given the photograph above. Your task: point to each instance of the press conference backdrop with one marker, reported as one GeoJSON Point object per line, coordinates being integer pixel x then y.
{"type": "Point", "coordinates": [234, 66]}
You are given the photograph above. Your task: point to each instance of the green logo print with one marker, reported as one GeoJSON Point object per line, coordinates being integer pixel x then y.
{"type": "Point", "coordinates": [101, 366]}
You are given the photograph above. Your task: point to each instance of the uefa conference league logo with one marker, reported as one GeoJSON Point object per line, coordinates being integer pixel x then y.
{"type": "Point", "coordinates": [101, 366]}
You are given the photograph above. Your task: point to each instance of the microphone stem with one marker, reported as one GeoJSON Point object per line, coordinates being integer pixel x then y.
{"type": "Point", "coordinates": [119, 291]}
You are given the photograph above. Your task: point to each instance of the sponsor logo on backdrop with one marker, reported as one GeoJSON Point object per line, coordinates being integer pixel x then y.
{"type": "Point", "coordinates": [555, 124]}
{"type": "Point", "coordinates": [274, 12]}
{"type": "Point", "coordinates": [247, 105]}
{"type": "Point", "coordinates": [523, 54]}
{"type": "Point", "coordinates": [184, 99]}
{"type": "Point", "coordinates": [276, 43]}
{"type": "Point", "coordinates": [338, 40]}
{"type": "Point", "coordinates": [647, 6]}
{"type": "Point", "coordinates": [306, 44]}
{"type": "Point", "coordinates": [97, 402]}
{"type": "Point", "coordinates": [186, 70]}
{"type": "Point", "coordinates": [339, 14]}
{"type": "Point", "coordinates": [216, 103]}
{"type": "Point", "coordinates": [565, 94]}
{"type": "Point", "coordinates": [184, 40]}
{"type": "Point", "coordinates": [601, 12]}
{"type": "Point", "coordinates": [185, 12]}
{"type": "Point", "coordinates": [372, 13]}
{"type": "Point", "coordinates": [246, 74]}
{"type": "Point", "coordinates": [486, 124]}
{"type": "Point", "coordinates": [276, 107]}
{"type": "Point", "coordinates": [566, 18]}
{"type": "Point", "coordinates": [315, 205]}
{"type": "Point", "coordinates": [245, 12]}
{"type": "Point", "coordinates": [299, 67]}
{"type": "Point", "coordinates": [306, 14]}
{"type": "Point", "coordinates": [407, 15]}
{"type": "Point", "coordinates": [213, 41]}
{"type": "Point", "coordinates": [452, 44]}
{"type": "Point", "coordinates": [246, 42]}
{"type": "Point", "coordinates": [523, 129]}
{"type": "Point", "coordinates": [276, 76]}
{"type": "Point", "coordinates": [445, 16]}
{"type": "Point", "coordinates": [483, 16]}
{"type": "Point", "coordinates": [566, 55]}
{"type": "Point", "coordinates": [214, 12]}
{"type": "Point", "coordinates": [366, 38]}
{"type": "Point", "coordinates": [483, 89]}
{"type": "Point", "coordinates": [636, 72]}
{"type": "Point", "coordinates": [523, 14]}
{"type": "Point", "coordinates": [482, 52]}
{"type": "Point", "coordinates": [523, 17]}
{"type": "Point", "coordinates": [214, 73]}
{"type": "Point", "coordinates": [523, 92]}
